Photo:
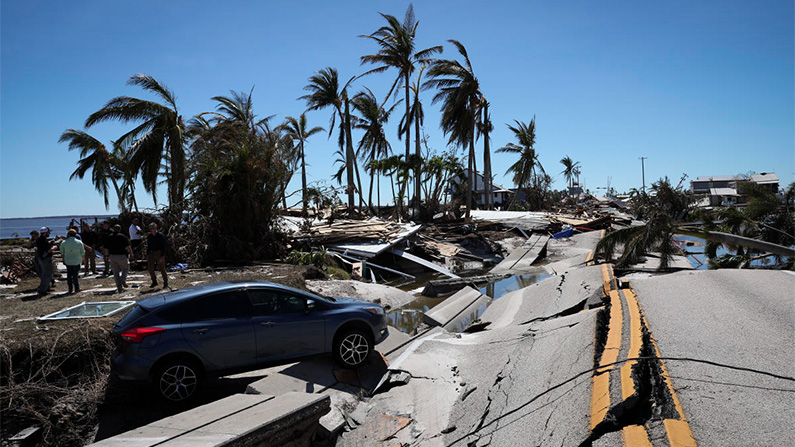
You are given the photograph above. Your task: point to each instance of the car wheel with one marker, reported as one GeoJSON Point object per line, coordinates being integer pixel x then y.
{"type": "Point", "coordinates": [352, 348]}
{"type": "Point", "coordinates": [177, 380]}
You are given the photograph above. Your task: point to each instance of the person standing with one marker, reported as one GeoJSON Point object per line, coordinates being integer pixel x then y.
{"type": "Point", "coordinates": [118, 251]}
{"type": "Point", "coordinates": [156, 254]}
{"type": "Point", "coordinates": [89, 238]}
{"type": "Point", "coordinates": [34, 235]}
{"type": "Point", "coordinates": [135, 235]}
{"type": "Point", "coordinates": [73, 253]}
{"type": "Point", "coordinates": [44, 249]}
{"type": "Point", "coordinates": [104, 235]}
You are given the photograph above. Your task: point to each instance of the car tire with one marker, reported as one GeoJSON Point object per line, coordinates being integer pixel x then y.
{"type": "Point", "coordinates": [352, 347]}
{"type": "Point", "coordinates": [177, 381]}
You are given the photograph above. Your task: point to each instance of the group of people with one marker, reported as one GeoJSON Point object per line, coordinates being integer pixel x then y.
{"type": "Point", "coordinates": [80, 249]}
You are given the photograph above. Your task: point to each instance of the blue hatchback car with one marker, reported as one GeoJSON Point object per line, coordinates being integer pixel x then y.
{"type": "Point", "coordinates": [174, 340]}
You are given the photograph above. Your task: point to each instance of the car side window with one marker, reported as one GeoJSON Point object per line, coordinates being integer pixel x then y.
{"type": "Point", "coordinates": [217, 306]}
{"type": "Point", "coordinates": [271, 302]}
{"type": "Point", "coordinates": [262, 302]}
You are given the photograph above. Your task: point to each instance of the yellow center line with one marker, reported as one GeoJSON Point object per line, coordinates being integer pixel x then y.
{"type": "Point", "coordinates": [678, 431]}
{"type": "Point", "coordinates": [635, 344]}
{"type": "Point", "coordinates": [600, 392]}
{"type": "Point", "coordinates": [635, 436]}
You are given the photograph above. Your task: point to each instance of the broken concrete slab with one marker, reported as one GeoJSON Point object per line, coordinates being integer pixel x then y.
{"type": "Point", "coordinates": [568, 292]}
{"type": "Point", "coordinates": [174, 426]}
{"type": "Point", "coordinates": [523, 257]}
{"type": "Point", "coordinates": [530, 385]}
{"type": "Point", "coordinates": [307, 376]}
{"type": "Point", "coordinates": [456, 308]}
{"type": "Point", "coordinates": [290, 419]}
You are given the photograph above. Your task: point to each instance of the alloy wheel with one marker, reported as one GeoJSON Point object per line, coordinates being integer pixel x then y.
{"type": "Point", "coordinates": [178, 382]}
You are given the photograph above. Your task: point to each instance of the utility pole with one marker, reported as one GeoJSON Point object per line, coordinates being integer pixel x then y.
{"type": "Point", "coordinates": [643, 172]}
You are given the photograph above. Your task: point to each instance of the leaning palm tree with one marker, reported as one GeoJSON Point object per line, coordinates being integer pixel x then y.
{"type": "Point", "coordinates": [396, 49]}
{"type": "Point", "coordinates": [523, 169]}
{"type": "Point", "coordinates": [374, 144]}
{"type": "Point", "coordinates": [297, 130]}
{"type": "Point", "coordinates": [324, 92]}
{"type": "Point", "coordinates": [459, 93]}
{"type": "Point", "coordinates": [160, 137]}
{"type": "Point", "coordinates": [95, 157]}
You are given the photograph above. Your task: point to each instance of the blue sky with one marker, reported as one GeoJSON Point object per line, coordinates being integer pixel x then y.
{"type": "Point", "coordinates": [703, 88]}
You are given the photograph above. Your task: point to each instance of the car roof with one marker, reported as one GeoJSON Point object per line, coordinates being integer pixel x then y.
{"type": "Point", "coordinates": [204, 289]}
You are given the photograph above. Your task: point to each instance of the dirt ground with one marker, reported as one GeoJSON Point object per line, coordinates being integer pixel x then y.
{"type": "Point", "coordinates": [56, 374]}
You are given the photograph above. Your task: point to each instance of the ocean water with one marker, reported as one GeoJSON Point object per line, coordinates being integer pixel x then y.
{"type": "Point", "coordinates": [58, 225]}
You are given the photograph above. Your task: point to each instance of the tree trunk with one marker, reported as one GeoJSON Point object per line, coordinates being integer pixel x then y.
{"type": "Point", "coordinates": [486, 158]}
{"type": "Point", "coordinates": [418, 168]}
{"type": "Point", "coordinates": [408, 128]}
{"type": "Point", "coordinates": [349, 157]}
{"type": "Point", "coordinates": [304, 212]}
{"type": "Point", "coordinates": [372, 177]}
{"type": "Point", "coordinates": [118, 191]}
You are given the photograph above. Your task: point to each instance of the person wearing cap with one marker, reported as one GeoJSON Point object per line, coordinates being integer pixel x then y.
{"type": "Point", "coordinates": [118, 251]}
{"type": "Point", "coordinates": [156, 254]}
{"type": "Point", "coordinates": [89, 238]}
{"type": "Point", "coordinates": [73, 253]}
{"type": "Point", "coordinates": [44, 249]}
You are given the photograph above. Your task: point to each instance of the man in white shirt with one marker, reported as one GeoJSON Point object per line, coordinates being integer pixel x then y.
{"type": "Point", "coordinates": [135, 235]}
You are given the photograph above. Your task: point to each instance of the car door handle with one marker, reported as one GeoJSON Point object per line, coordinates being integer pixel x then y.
{"type": "Point", "coordinates": [268, 324]}
{"type": "Point", "coordinates": [201, 331]}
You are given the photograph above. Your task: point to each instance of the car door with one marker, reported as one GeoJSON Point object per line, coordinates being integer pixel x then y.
{"type": "Point", "coordinates": [284, 327]}
{"type": "Point", "coordinates": [218, 327]}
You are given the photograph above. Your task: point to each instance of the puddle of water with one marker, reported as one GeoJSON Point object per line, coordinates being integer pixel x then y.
{"type": "Point", "coordinates": [409, 317]}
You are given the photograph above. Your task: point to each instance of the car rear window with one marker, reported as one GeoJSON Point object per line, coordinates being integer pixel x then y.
{"type": "Point", "coordinates": [135, 314]}
{"type": "Point", "coordinates": [216, 306]}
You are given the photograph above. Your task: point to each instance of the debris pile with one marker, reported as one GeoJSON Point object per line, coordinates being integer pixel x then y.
{"type": "Point", "coordinates": [349, 231]}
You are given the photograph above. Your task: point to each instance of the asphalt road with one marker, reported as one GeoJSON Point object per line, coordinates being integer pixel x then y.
{"type": "Point", "coordinates": [727, 337]}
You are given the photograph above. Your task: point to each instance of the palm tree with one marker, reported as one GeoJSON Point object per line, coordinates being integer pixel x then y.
{"type": "Point", "coordinates": [662, 212]}
{"type": "Point", "coordinates": [525, 168]}
{"type": "Point", "coordinates": [570, 170]}
{"type": "Point", "coordinates": [324, 92]}
{"type": "Point", "coordinates": [296, 129]}
{"type": "Point", "coordinates": [374, 144]}
{"type": "Point", "coordinates": [484, 128]}
{"type": "Point", "coordinates": [160, 137]}
{"type": "Point", "coordinates": [396, 49]}
{"type": "Point", "coordinates": [416, 115]}
{"type": "Point", "coordinates": [95, 157]}
{"type": "Point", "coordinates": [459, 92]}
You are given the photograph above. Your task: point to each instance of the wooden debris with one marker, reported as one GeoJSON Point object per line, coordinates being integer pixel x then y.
{"type": "Point", "coordinates": [350, 230]}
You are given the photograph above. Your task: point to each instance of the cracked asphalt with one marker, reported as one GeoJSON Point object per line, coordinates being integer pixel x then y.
{"type": "Point", "coordinates": [743, 322]}
{"type": "Point", "coordinates": [727, 361]}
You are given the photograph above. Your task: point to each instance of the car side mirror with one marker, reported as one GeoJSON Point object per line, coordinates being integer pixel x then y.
{"type": "Point", "coordinates": [310, 305]}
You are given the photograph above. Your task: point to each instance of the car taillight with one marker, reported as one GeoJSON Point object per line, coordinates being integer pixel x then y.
{"type": "Point", "coordinates": [137, 334]}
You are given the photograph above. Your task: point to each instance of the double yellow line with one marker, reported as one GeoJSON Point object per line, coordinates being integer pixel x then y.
{"type": "Point", "coordinates": [677, 430]}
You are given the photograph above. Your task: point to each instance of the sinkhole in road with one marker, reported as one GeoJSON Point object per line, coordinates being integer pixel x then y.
{"type": "Point", "coordinates": [409, 317]}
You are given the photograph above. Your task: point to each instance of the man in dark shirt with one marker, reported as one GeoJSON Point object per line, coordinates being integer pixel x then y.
{"type": "Point", "coordinates": [44, 249]}
{"type": "Point", "coordinates": [118, 251]}
{"type": "Point", "coordinates": [102, 237]}
{"type": "Point", "coordinates": [156, 254]}
{"type": "Point", "coordinates": [89, 238]}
